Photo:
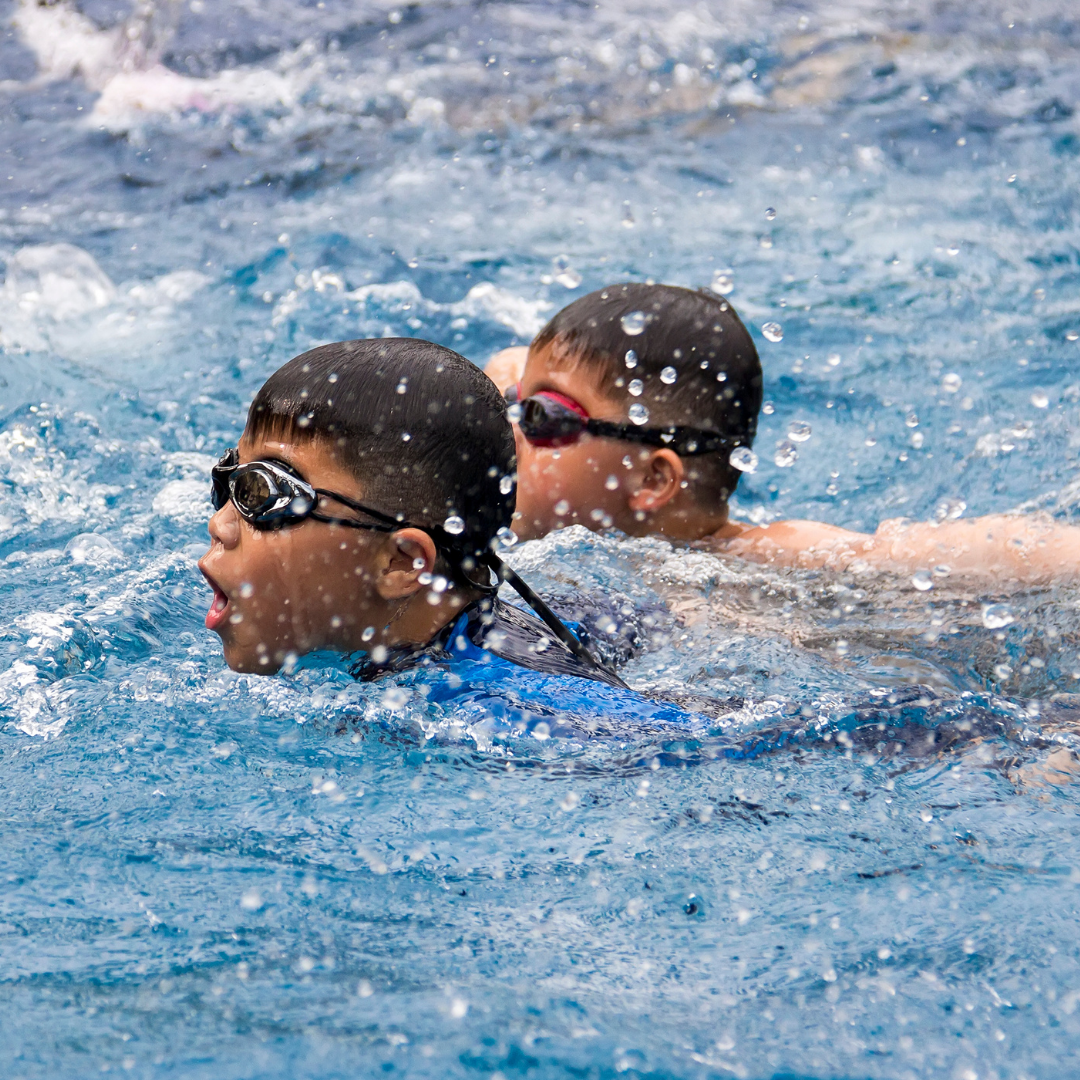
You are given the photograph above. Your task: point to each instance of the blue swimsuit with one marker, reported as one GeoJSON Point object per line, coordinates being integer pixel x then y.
{"type": "Point", "coordinates": [499, 664]}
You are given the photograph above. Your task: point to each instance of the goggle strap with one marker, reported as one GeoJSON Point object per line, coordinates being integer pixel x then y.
{"type": "Point", "coordinates": [675, 438]}
{"type": "Point", "coordinates": [550, 619]}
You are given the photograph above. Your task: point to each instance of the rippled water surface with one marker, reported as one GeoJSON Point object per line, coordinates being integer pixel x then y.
{"type": "Point", "coordinates": [869, 870]}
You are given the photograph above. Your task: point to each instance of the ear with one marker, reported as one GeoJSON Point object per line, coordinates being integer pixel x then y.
{"type": "Point", "coordinates": [661, 480]}
{"type": "Point", "coordinates": [405, 556]}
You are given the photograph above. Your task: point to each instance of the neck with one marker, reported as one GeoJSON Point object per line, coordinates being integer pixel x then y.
{"type": "Point", "coordinates": [680, 520]}
{"type": "Point", "coordinates": [415, 622]}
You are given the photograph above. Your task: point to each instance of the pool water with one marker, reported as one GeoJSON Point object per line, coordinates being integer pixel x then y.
{"type": "Point", "coordinates": [870, 869]}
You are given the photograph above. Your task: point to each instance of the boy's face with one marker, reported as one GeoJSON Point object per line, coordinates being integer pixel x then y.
{"type": "Point", "coordinates": [295, 589]}
{"type": "Point", "coordinates": [586, 482]}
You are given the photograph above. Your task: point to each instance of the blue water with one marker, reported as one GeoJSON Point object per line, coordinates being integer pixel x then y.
{"type": "Point", "coordinates": [870, 870]}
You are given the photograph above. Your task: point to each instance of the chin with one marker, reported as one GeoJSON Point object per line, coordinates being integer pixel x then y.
{"type": "Point", "coordinates": [249, 661]}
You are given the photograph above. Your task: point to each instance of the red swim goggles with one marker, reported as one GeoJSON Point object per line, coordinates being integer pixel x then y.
{"type": "Point", "coordinates": [548, 418]}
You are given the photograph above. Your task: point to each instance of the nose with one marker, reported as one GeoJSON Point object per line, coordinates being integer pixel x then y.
{"type": "Point", "coordinates": [224, 527]}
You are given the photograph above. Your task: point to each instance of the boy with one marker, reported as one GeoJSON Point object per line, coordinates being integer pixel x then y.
{"type": "Point", "coordinates": [636, 403]}
{"type": "Point", "coordinates": [359, 514]}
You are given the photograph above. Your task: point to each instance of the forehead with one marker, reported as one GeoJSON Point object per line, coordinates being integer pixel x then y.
{"type": "Point", "coordinates": [550, 368]}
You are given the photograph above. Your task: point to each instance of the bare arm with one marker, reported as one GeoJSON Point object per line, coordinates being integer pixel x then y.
{"type": "Point", "coordinates": [1021, 549]}
{"type": "Point", "coordinates": [504, 368]}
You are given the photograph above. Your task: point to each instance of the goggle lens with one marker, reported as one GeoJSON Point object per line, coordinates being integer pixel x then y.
{"type": "Point", "coordinates": [547, 418]}
{"type": "Point", "coordinates": [252, 492]}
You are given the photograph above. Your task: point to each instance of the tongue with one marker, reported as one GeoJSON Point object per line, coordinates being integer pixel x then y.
{"type": "Point", "coordinates": [220, 601]}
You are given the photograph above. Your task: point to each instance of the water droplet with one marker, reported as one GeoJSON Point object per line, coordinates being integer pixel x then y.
{"type": "Point", "coordinates": [668, 375]}
{"type": "Point", "coordinates": [562, 508]}
{"type": "Point", "coordinates": [786, 454]}
{"type": "Point", "coordinates": [766, 242]}
{"type": "Point", "coordinates": [951, 383]}
{"type": "Point", "coordinates": [506, 538]}
{"type": "Point", "coordinates": [506, 484]}
{"type": "Point", "coordinates": [833, 359]}
{"type": "Point", "coordinates": [768, 408]}
{"type": "Point", "coordinates": [744, 459]}
{"type": "Point", "coordinates": [568, 279]}
{"type": "Point", "coordinates": [798, 431]}
{"type": "Point", "coordinates": [912, 419]}
{"type": "Point", "coordinates": [922, 580]}
{"type": "Point", "coordinates": [515, 413]}
{"type": "Point", "coordinates": [612, 482]}
{"type": "Point", "coordinates": [403, 386]}
{"type": "Point", "coordinates": [723, 282]}
{"type": "Point", "coordinates": [770, 214]}
{"type": "Point", "coordinates": [949, 509]}
{"type": "Point", "coordinates": [773, 331]}
{"type": "Point", "coordinates": [1073, 335]}
{"type": "Point", "coordinates": [1040, 399]}
{"type": "Point", "coordinates": [1002, 672]}
{"type": "Point", "coordinates": [454, 525]}
{"type": "Point", "coordinates": [953, 249]}
{"type": "Point", "coordinates": [994, 616]}
{"type": "Point", "coordinates": [394, 698]}
{"type": "Point", "coordinates": [633, 322]}
{"type": "Point", "coordinates": [631, 359]}
{"type": "Point", "coordinates": [638, 413]}
{"type": "Point", "coordinates": [635, 387]}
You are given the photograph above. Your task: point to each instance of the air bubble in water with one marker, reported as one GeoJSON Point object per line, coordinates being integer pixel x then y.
{"type": "Point", "coordinates": [770, 214]}
{"type": "Point", "coordinates": [786, 454]}
{"type": "Point", "coordinates": [635, 387]}
{"type": "Point", "coordinates": [922, 580]}
{"type": "Point", "coordinates": [949, 509]}
{"type": "Point", "coordinates": [631, 359]}
{"type": "Point", "coordinates": [1040, 399]}
{"type": "Point", "coordinates": [506, 484]}
{"type": "Point", "coordinates": [951, 383]}
{"type": "Point", "coordinates": [744, 459]}
{"type": "Point", "coordinates": [994, 616]}
{"type": "Point", "coordinates": [723, 282]}
{"type": "Point", "coordinates": [633, 323]}
{"type": "Point", "coordinates": [454, 525]}
{"type": "Point", "coordinates": [668, 375]}
{"type": "Point", "coordinates": [773, 331]}
{"type": "Point", "coordinates": [638, 413]}
{"type": "Point", "coordinates": [798, 431]}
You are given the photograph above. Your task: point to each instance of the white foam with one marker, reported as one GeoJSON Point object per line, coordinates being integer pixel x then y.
{"type": "Point", "coordinates": [184, 501]}
{"type": "Point", "coordinates": [60, 281]}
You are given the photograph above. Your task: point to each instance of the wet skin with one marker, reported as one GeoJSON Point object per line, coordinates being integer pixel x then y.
{"type": "Point", "coordinates": [315, 585]}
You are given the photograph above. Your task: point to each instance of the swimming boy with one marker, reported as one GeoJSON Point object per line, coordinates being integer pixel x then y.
{"type": "Point", "coordinates": [359, 514]}
{"type": "Point", "coordinates": [635, 404]}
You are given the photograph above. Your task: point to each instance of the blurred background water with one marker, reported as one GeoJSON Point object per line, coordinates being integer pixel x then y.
{"type": "Point", "coordinates": [868, 871]}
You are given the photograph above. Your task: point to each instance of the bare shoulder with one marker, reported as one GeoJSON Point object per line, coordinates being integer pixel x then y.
{"type": "Point", "coordinates": [505, 367]}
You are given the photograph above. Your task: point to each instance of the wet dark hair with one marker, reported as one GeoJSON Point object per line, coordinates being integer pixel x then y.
{"type": "Point", "coordinates": [421, 427]}
{"type": "Point", "coordinates": [718, 382]}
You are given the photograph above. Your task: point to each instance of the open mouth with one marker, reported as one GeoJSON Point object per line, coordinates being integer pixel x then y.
{"type": "Point", "coordinates": [219, 607]}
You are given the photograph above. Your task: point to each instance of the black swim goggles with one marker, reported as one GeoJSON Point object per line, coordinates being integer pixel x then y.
{"type": "Point", "coordinates": [271, 494]}
{"type": "Point", "coordinates": [548, 418]}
